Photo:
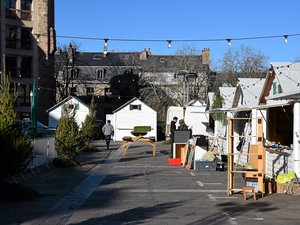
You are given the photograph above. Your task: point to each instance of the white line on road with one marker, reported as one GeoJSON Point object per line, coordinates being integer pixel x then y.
{"type": "Point", "coordinates": [192, 174]}
{"type": "Point", "coordinates": [212, 198]}
{"type": "Point", "coordinates": [213, 183]}
{"type": "Point", "coordinates": [200, 183]}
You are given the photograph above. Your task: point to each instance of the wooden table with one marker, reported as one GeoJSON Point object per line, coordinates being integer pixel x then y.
{"type": "Point", "coordinates": [128, 140]}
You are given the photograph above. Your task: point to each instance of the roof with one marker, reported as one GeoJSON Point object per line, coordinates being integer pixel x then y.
{"type": "Point", "coordinates": [65, 100]}
{"type": "Point", "coordinates": [287, 80]}
{"type": "Point", "coordinates": [129, 102]}
{"type": "Point", "coordinates": [196, 102]}
{"type": "Point", "coordinates": [251, 89]}
{"type": "Point", "coordinates": [227, 93]}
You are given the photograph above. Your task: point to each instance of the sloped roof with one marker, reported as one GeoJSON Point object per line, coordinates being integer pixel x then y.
{"type": "Point", "coordinates": [227, 93]}
{"type": "Point", "coordinates": [64, 101]}
{"type": "Point", "coordinates": [196, 102]}
{"type": "Point", "coordinates": [287, 75]}
{"type": "Point", "coordinates": [129, 102]}
{"type": "Point", "coordinates": [251, 89]}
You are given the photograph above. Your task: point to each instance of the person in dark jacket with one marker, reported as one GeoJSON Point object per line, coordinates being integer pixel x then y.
{"type": "Point", "coordinates": [182, 125]}
{"type": "Point", "coordinates": [172, 128]}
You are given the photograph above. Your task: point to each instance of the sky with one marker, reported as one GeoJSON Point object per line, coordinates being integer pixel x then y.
{"type": "Point", "coordinates": [182, 20]}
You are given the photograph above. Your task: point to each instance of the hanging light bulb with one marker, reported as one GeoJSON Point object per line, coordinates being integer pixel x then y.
{"type": "Point", "coordinates": [229, 41]}
{"type": "Point", "coordinates": [285, 38]}
{"type": "Point", "coordinates": [105, 46]}
{"type": "Point", "coordinates": [169, 43]}
{"type": "Point", "coordinates": [105, 42]}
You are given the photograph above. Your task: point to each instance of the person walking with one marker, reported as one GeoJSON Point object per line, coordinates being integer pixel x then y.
{"type": "Point", "coordinates": [108, 131]}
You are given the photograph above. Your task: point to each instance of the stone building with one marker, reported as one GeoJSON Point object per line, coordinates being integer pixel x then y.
{"type": "Point", "coordinates": [116, 77]}
{"type": "Point", "coordinates": [27, 38]}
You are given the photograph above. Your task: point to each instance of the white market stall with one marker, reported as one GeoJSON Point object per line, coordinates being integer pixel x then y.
{"type": "Point", "coordinates": [71, 103]}
{"type": "Point", "coordinates": [133, 113]}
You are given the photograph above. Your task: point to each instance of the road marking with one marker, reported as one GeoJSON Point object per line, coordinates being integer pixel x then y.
{"type": "Point", "coordinates": [200, 183]}
{"type": "Point", "coordinates": [213, 183]}
{"type": "Point", "coordinates": [176, 191]}
{"type": "Point", "coordinates": [212, 198]}
{"type": "Point", "coordinates": [192, 174]}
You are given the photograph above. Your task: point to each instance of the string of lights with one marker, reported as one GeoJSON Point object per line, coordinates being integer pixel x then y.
{"type": "Point", "coordinates": [169, 41]}
{"type": "Point", "coordinates": [281, 73]}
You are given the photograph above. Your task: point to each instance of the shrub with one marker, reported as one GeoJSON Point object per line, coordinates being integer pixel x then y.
{"type": "Point", "coordinates": [67, 138]}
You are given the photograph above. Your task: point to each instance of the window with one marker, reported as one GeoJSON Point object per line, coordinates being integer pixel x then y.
{"type": "Point", "coordinates": [10, 8]}
{"type": "Point", "coordinates": [23, 92]}
{"type": "Point", "coordinates": [274, 88]}
{"type": "Point", "coordinates": [26, 38]}
{"type": "Point", "coordinates": [135, 107]}
{"type": "Point", "coordinates": [26, 66]}
{"type": "Point", "coordinates": [11, 36]}
{"type": "Point", "coordinates": [26, 9]}
{"type": "Point", "coordinates": [89, 91]}
{"type": "Point", "coordinates": [101, 74]}
{"type": "Point", "coordinates": [11, 65]}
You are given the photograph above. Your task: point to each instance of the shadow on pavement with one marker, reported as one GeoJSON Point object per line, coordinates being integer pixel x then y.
{"type": "Point", "coordinates": [230, 210]}
{"type": "Point", "coordinates": [132, 216]}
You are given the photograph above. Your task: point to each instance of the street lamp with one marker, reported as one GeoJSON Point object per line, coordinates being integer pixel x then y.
{"type": "Point", "coordinates": [187, 77]}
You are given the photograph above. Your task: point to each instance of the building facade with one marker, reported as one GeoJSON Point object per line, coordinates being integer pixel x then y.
{"type": "Point", "coordinates": [27, 38]}
{"type": "Point", "coordinates": [116, 77]}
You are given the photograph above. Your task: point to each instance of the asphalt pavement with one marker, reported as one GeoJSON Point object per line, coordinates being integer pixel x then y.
{"type": "Point", "coordinates": [141, 189]}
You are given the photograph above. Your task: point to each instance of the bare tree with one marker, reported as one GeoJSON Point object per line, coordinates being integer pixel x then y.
{"type": "Point", "coordinates": [173, 80]}
{"type": "Point", "coordinates": [66, 69]}
{"type": "Point", "coordinates": [242, 62]}
{"type": "Point", "coordinates": [195, 73]}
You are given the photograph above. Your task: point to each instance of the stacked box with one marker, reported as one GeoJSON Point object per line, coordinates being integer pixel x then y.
{"type": "Point", "coordinates": [281, 188]}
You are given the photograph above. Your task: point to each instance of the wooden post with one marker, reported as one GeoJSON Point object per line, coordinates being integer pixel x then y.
{"type": "Point", "coordinates": [230, 157]}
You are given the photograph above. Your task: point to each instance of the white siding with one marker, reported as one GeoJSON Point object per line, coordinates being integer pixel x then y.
{"type": "Point", "coordinates": [196, 118]}
{"type": "Point", "coordinates": [276, 163]}
{"type": "Point", "coordinates": [125, 120]}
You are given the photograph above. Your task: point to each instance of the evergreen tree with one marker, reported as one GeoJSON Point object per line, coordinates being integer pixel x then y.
{"type": "Point", "coordinates": [67, 138]}
{"type": "Point", "coordinates": [15, 148]}
{"type": "Point", "coordinates": [90, 129]}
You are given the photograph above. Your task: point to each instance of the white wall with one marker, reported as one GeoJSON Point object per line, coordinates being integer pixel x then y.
{"type": "Point", "coordinates": [171, 113]}
{"type": "Point", "coordinates": [125, 120]}
{"type": "Point", "coordinates": [56, 113]}
{"type": "Point", "coordinates": [195, 117]}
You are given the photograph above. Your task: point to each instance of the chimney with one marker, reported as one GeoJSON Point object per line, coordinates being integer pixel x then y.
{"type": "Point", "coordinates": [206, 56]}
{"type": "Point", "coordinates": [143, 55]}
{"type": "Point", "coordinates": [149, 52]}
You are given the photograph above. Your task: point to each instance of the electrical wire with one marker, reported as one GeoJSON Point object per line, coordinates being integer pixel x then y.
{"type": "Point", "coordinates": [178, 40]}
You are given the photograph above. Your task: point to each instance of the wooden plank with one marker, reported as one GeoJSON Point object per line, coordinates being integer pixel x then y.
{"type": "Point", "coordinates": [185, 157]}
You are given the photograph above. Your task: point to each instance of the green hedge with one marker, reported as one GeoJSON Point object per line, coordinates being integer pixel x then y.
{"type": "Point", "coordinates": [142, 128]}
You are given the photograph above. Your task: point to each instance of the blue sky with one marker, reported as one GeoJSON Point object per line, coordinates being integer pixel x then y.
{"type": "Point", "coordinates": [188, 20]}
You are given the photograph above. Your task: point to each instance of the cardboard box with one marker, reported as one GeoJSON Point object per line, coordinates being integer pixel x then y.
{"type": "Point", "coordinates": [281, 188]}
